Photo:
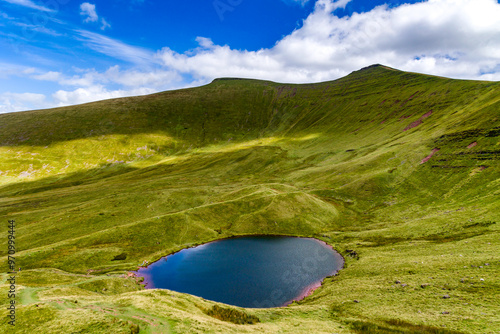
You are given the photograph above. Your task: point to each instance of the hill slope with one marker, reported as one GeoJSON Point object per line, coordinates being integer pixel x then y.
{"type": "Point", "coordinates": [401, 167]}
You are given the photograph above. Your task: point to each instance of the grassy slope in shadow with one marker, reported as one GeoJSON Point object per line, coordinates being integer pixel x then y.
{"type": "Point", "coordinates": [342, 161]}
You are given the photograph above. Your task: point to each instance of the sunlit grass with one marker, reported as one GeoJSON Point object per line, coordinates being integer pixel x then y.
{"type": "Point", "coordinates": [29, 163]}
{"type": "Point", "coordinates": [151, 175]}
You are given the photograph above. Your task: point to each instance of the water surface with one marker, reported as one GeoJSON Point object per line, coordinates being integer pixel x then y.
{"type": "Point", "coordinates": [251, 272]}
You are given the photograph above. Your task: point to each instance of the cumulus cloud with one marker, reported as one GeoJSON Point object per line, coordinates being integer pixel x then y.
{"type": "Point", "coordinates": [8, 70]}
{"type": "Point", "coordinates": [331, 5]}
{"type": "Point", "coordinates": [155, 78]}
{"type": "Point", "coordinates": [94, 93]}
{"type": "Point", "coordinates": [88, 86]}
{"type": "Point", "coordinates": [88, 10]}
{"type": "Point", "coordinates": [452, 38]}
{"type": "Point", "coordinates": [457, 38]}
{"type": "Point", "coordinates": [134, 78]}
{"type": "Point", "coordinates": [25, 101]}
{"type": "Point", "coordinates": [48, 76]}
{"type": "Point", "coordinates": [104, 24]}
{"type": "Point", "coordinates": [11, 102]}
{"type": "Point", "coordinates": [88, 78]}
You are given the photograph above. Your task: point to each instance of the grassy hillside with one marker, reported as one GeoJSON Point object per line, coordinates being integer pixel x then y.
{"type": "Point", "coordinates": [401, 167]}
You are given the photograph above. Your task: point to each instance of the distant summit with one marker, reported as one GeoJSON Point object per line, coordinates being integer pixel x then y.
{"type": "Point", "coordinates": [360, 71]}
{"type": "Point", "coordinates": [371, 66]}
{"type": "Point", "coordinates": [378, 66]}
{"type": "Point", "coordinates": [375, 67]}
{"type": "Point", "coordinates": [230, 79]}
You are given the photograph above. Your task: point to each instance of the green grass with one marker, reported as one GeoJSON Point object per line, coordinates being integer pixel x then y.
{"type": "Point", "coordinates": [231, 315]}
{"type": "Point", "coordinates": [339, 161]}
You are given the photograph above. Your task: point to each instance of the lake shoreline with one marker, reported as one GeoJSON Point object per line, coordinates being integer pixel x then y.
{"type": "Point", "coordinates": [309, 290]}
{"type": "Point", "coordinates": [147, 283]}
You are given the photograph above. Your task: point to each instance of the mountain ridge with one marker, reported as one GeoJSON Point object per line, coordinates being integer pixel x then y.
{"type": "Point", "coordinates": [124, 110]}
{"type": "Point", "coordinates": [399, 167]}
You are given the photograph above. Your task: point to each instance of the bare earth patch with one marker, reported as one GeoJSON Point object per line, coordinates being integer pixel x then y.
{"type": "Point", "coordinates": [429, 156]}
{"type": "Point", "coordinates": [418, 122]}
{"type": "Point", "coordinates": [472, 145]}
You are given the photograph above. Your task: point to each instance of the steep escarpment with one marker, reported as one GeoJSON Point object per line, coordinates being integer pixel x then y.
{"type": "Point", "coordinates": [400, 169]}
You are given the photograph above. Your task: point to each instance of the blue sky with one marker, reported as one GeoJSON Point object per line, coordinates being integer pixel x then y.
{"type": "Point", "coordinates": [64, 52]}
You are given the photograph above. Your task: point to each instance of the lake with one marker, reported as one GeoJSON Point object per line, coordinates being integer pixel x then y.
{"type": "Point", "coordinates": [253, 272]}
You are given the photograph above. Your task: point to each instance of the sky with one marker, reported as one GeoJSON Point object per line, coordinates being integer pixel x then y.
{"type": "Point", "coordinates": [65, 52]}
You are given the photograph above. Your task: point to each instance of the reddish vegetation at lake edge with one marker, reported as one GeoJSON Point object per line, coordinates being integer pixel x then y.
{"type": "Point", "coordinates": [308, 290]}
{"type": "Point", "coordinates": [429, 156]}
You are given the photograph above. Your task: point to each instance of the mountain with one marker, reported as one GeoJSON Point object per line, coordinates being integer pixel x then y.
{"type": "Point", "coordinates": [400, 167]}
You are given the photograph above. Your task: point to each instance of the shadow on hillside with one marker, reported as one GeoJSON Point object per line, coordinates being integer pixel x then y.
{"type": "Point", "coordinates": [198, 115]}
{"type": "Point", "coordinates": [397, 327]}
{"type": "Point", "coordinates": [238, 108]}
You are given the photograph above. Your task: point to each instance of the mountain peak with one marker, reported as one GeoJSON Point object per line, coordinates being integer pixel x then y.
{"type": "Point", "coordinates": [371, 66]}
{"type": "Point", "coordinates": [376, 67]}
{"type": "Point", "coordinates": [372, 71]}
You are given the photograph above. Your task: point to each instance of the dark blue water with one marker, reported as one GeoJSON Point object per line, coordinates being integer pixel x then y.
{"type": "Point", "coordinates": [254, 272]}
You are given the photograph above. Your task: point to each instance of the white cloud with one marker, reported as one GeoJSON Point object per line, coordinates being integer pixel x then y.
{"type": "Point", "coordinates": [294, 2]}
{"type": "Point", "coordinates": [37, 28]}
{"type": "Point", "coordinates": [94, 93]}
{"type": "Point", "coordinates": [457, 38]}
{"type": "Point", "coordinates": [91, 85]}
{"type": "Point", "coordinates": [159, 78]}
{"type": "Point", "coordinates": [132, 78]}
{"type": "Point", "coordinates": [330, 6]}
{"type": "Point", "coordinates": [29, 4]}
{"type": "Point", "coordinates": [10, 102]}
{"type": "Point", "coordinates": [116, 49]}
{"type": "Point", "coordinates": [452, 38]}
{"type": "Point", "coordinates": [7, 70]}
{"type": "Point", "coordinates": [48, 76]}
{"type": "Point", "coordinates": [88, 10]}
{"type": "Point", "coordinates": [88, 78]}
{"type": "Point", "coordinates": [104, 24]}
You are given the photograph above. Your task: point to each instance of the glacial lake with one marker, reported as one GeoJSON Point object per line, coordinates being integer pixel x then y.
{"type": "Point", "coordinates": [253, 272]}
